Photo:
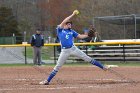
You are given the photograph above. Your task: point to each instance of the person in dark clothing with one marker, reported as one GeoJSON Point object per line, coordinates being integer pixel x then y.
{"type": "Point", "coordinates": [95, 38]}
{"type": "Point", "coordinates": [37, 41]}
{"type": "Point", "coordinates": [58, 47]}
{"type": "Point", "coordinates": [87, 39]}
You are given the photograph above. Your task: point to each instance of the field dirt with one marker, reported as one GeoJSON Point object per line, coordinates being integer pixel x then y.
{"type": "Point", "coordinates": [76, 79]}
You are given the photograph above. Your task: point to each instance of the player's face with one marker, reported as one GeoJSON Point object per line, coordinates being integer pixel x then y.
{"type": "Point", "coordinates": [69, 25]}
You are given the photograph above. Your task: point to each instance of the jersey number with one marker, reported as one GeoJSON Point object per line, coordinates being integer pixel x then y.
{"type": "Point", "coordinates": [67, 37]}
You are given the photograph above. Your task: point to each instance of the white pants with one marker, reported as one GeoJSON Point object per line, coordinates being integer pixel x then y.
{"type": "Point", "coordinates": [65, 53]}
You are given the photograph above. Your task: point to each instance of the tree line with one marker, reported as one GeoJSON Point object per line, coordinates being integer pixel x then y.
{"type": "Point", "coordinates": [29, 14]}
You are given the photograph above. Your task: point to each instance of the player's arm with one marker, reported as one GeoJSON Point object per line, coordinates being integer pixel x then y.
{"type": "Point", "coordinates": [82, 36]}
{"type": "Point", "coordinates": [67, 19]}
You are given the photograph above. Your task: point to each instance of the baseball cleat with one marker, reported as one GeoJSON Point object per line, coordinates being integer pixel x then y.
{"type": "Point", "coordinates": [45, 82]}
{"type": "Point", "coordinates": [106, 68]}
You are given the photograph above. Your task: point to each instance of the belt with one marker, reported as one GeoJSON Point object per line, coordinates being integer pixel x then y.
{"type": "Point", "coordinates": [67, 47]}
{"type": "Point", "coordinates": [37, 46]}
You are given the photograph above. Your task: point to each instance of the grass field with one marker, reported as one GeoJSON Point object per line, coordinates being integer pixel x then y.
{"type": "Point", "coordinates": [47, 52]}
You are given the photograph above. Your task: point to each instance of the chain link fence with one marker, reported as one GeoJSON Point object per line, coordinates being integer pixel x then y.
{"type": "Point", "coordinates": [118, 27]}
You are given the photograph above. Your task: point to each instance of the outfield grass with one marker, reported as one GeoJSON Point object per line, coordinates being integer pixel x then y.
{"type": "Point", "coordinates": [47, 52]}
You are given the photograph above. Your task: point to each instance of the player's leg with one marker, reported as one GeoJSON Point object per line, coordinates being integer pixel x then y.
{"type": "Point", "coordinates": [61, 60]}
{"type": "Point", "coordinates": [77, 52]}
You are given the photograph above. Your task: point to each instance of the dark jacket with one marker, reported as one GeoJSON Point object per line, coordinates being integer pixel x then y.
{"type": "Point", "coordinates": [37, 40]}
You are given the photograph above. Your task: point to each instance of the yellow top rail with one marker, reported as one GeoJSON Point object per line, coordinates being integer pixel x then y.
{"type": "Point", "coordinates": [58, 44]}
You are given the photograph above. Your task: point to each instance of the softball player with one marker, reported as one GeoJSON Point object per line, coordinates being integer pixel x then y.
{"type": "Point", "coordinates": [66, 35]}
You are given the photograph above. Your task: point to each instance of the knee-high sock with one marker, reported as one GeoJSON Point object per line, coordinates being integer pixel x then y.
{"type": "Point", "coordinates": [53, 73]}
{"type": "Point", "coordinates": [97, 63]}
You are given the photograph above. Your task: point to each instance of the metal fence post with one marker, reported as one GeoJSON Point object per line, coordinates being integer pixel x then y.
{"type": "Point", "coordinates": [54, 55]}
{"type": "Point", "coordinates": [124, 57]}
{"type": "Point", "coordinates": [86, 49]}
{"type": "Point", "coordinates": [25, 55]}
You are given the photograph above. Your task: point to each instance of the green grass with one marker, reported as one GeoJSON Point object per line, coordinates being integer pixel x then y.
{"type": "Point", "coordinates": [47, 52]}
{"type": "Point", "coordinates": [14, 65]}
{"type": "Point", "coordinates": [21, 65]}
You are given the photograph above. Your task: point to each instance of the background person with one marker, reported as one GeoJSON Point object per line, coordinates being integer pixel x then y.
{"type": "Point", "coordinates": [37, 41]}
{"type": "Point", "coordinates": [87, 39]}
{"type": "Point", "coordinates": [58, 47]}
{"type": "Point", "coordinates": [96, 37]}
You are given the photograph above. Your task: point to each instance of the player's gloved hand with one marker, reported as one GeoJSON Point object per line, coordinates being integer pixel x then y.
{"type": "Point", "coordinates": [91, 32]}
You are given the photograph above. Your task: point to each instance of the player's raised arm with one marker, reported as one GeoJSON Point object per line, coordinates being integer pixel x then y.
{"type": "Point", "coordinates": [75, 12]}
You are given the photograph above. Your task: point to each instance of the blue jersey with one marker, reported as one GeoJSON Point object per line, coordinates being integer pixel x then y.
{"type": "Point", "coordinates": [66, 37]}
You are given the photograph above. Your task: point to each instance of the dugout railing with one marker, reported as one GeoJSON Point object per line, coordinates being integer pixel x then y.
{"type": "Point", "coordinates": [110, 51]}
{"type": "Point", "coordinates": [115, 53]}
{"type": "Point", "coordinates": [120, 53]}
{"type": "Point", "coordinates": [107, 51]}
